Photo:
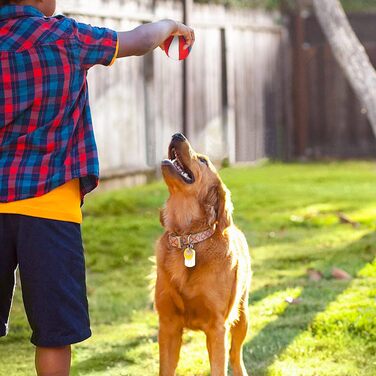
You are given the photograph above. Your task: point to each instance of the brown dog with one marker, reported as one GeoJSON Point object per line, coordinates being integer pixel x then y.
{"type": "Point", "coordinates": [203, 263]}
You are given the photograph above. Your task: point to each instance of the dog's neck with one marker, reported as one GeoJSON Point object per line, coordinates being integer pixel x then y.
{"type": "Point", "coordinates": [184, 216]}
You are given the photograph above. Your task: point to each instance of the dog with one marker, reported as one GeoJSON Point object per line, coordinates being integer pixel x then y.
{"type": "Point", "coordinates": [203, 263]}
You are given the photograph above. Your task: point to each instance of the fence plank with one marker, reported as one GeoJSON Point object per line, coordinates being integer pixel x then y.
{"type": "Point", "coordinates": [233, 71]}
{"type": "Point", "coordinates": [337, 125]}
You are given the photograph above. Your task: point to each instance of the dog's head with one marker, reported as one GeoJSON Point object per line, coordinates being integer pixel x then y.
{"type": "Point", "coordinates": [191, 176]}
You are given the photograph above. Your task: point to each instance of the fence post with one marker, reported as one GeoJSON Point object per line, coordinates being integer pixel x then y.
{"type": "Point", "coordinates": [300, 100]}
{"type": "Point", "coordinates": [285, 143]}
{"type": "Point", "coordinates": [187, 82]}
{"type": "Point", "coordinates": [228, 93]}
{"type": "Point", "coordinates": [149, 109]}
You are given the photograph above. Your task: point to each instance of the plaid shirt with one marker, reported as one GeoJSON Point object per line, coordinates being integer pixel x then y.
{"type": "Point", "coordinates": [46, 133]}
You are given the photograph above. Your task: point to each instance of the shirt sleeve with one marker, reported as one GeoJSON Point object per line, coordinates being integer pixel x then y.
{"type": "Point", "coordinates": [97, 45]}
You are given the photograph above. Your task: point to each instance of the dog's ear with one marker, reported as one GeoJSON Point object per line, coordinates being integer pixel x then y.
{"type": "Point", "coordinates": [225, 207]}
{"type": "Point", "coordinates": [211, 205]}
{"type": "Point", "coordinates": [218, 206]}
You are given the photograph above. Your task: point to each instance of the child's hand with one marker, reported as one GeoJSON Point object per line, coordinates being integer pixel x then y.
{"type": "Point", "coordinates": [146, 37]}
{"type": "Point", "coordinates": [186, 32]}
{"type": "Point", "coordinates": [181, 29]}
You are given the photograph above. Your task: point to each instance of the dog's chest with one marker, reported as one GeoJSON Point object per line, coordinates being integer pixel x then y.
{"type": "Point", "coordinates": [197, 305]}
{"type": "Point", "coordinates": [197, 291]}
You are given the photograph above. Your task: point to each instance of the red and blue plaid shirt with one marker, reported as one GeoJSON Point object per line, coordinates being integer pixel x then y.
{"type": "Point", "coordinates": [46, 133]}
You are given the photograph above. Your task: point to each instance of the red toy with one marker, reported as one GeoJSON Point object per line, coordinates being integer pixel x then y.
{"type": "Point", "coordinates": [174, 47]}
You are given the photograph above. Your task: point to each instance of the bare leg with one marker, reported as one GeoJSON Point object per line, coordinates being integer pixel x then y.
{"type": "Point", "coordinates": [53, 361]}
{"type": "Point", "coordinates": [170, 337]}
{"type": "Point", "coordinates": [238, 334]}
{"type": "Point", "coordinates": [216, 341]}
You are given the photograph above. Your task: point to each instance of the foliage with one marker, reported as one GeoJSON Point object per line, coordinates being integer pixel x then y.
{"type": "Point", "coordinates": [289, 214]}
{"type": "Point", "coordinates": [349, 5]}
{"type": "Point", "coordinates": [359, 5]}
{"type": "Point", "coordinates": [263, 4]}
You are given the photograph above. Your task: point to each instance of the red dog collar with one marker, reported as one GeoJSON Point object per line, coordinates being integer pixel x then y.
{"type": "Point", "coordinates": [186, 240]}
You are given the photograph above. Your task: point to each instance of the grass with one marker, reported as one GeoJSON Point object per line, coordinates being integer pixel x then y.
{"type": "Point", "coordinates": [289, 215]}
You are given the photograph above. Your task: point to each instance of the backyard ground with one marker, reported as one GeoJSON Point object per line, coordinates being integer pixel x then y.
{"type": "Point", "coordinates": [290, 215]}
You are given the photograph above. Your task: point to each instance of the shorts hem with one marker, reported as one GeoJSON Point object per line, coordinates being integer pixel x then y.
{"type": "Point", "coordinates": [62, 341]}
{"type": "Point", "coordinates": [4, 330]}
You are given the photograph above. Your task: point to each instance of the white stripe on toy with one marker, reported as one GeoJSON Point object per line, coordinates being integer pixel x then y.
{"type": "Point", "coordinates": [174, 50]}
{"type": "Point", "coordinates": [174, 47]}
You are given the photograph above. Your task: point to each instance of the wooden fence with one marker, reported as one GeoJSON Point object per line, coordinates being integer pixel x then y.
{"type": "Point", "coordinates": [328, 121]}
{"type": "Point", "coordinates": [237, 76]}
{"type": "Point", "coordinates": [254, 89]}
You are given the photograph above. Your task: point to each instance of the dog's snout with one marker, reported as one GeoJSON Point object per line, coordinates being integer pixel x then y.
{"type": "Point", "coordinates": [178, 137]}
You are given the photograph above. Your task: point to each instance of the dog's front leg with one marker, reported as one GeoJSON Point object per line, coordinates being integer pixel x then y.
{"type": "Point", "coordinates": [170, 337]}
{"type": "Point", "coordinates": [217, 344]}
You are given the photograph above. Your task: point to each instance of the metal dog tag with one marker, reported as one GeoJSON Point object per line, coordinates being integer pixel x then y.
{"type": "Point", "coordinates": [189, 257]}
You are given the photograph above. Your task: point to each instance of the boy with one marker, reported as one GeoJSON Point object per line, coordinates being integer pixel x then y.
{"type": "Point", "coordinates": [48, 162]}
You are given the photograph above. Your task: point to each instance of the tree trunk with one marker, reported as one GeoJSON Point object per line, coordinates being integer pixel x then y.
{"type": "Point", "coordinates": [349, 53]}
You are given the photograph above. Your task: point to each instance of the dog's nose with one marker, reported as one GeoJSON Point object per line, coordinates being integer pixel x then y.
{"type": "Point", "coordinates": [178, 137]}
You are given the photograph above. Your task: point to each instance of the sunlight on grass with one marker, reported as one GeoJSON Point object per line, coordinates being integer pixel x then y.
{"type": "Point", "coordinates": [269, 309]}
{"type": "Point", "coordinates": [289, 214]}
{"type": "Point", "coordinates": [365, 216]}
{"type": "Point", "coordinates": [345, 331]}
{"type": "Point", "coordinates": [194, 357]}
{"type": "Point", "coordinates": [116, 350]}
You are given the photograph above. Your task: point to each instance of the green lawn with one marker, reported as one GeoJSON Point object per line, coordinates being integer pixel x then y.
{"type": "Point", "coordinates": [289, 215]}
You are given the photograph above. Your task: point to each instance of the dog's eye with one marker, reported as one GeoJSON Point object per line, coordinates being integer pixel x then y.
{"type": "Point", "coordinates": [203, 160]}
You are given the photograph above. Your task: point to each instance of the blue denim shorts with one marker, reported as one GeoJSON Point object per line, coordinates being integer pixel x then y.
{"type": "Point", "coordinates": [50, 258]}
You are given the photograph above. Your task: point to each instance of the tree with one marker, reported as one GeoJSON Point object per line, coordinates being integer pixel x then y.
{"type": "Point", "coordinates": [349, 53]}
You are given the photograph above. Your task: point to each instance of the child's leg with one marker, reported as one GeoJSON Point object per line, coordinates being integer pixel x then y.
{"type": "Point", "coordinates": [8, 264]}
{"type": "Point", "coordinates": [52, 272]}
{"type": "Point", "coordinates": [53, 361]}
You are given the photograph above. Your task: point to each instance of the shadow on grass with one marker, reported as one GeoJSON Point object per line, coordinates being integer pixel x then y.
{"type": "Point", "coordinates": [117, 356]}
{"type": "Point", "coordinates": [261, 351]}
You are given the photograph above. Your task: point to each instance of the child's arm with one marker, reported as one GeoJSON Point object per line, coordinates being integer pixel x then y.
{"type": "Point", "coordinates": [147, 37]}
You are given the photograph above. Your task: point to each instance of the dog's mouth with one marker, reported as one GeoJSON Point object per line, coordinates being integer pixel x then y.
{"type": "Point", "coordinates": [176, 163]}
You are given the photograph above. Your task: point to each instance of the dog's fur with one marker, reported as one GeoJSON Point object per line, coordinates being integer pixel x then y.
{"type": "Point", "coordinates": [213, 295]}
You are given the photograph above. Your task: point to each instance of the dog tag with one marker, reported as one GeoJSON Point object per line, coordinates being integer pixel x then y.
{"type": "Point", "coordinates": [189, 257]}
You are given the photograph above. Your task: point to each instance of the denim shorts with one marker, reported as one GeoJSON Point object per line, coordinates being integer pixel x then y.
{"type": "Point", "coordinates": [50, 258]}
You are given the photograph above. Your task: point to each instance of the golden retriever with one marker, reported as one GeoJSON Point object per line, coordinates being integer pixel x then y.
{"type": "Point", "coordinates": [203, 264]}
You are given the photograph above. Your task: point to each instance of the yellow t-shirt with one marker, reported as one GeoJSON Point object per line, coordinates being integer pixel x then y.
{"type": "Point", "coordinates": [62, 203]}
